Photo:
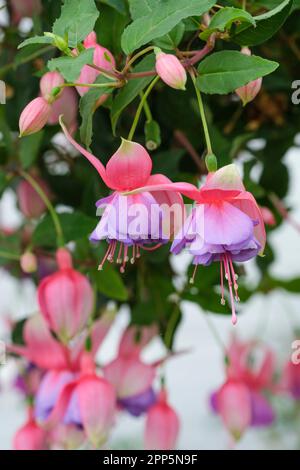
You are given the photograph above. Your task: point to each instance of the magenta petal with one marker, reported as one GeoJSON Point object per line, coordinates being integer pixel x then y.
{"type": "Point", "coordinates": [262, 412]}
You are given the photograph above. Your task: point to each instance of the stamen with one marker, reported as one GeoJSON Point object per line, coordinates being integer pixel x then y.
{"type": "Point", "coordinates": [138, 254]}
{"type": "Point", "coordinates": [100, 267]}
{"type": "Point", "coordinates": [151, 248]}
{"type": "Point", "coordinates": [192, 279]}
{"type": "Point", "coordinates": [222, 283]}
{"type": "Point", "coordinates": [133, 255]}
{"type": "Point", "coordinates": [112, 254]}
{"type": "Point", "coordinates": [226, 265]}
{"type": "Point", "coordinates": [125, 259]}
{"type": "Point", "coordinates": [119, 257]}
{"type": "Point", "coordinates": [234, 277]}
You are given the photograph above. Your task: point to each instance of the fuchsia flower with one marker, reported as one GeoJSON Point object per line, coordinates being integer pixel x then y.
{"type": "Point", "coordinates": [102, 58]}
{"type": "Point", "coordinates": [128, 169]}
{"type": "Point", "coordinates": [66, 437]}
{"type": "Point", "coordinates": [130, 376]}
{"type": "Point", "coordinates": [30, 436]}
{"type": "Point", "coordinates": [30, 203]}
{"type": "Point", "coordinates": [225, 226]}
{"type": "Point", "coordinates": [248, 92]}
{"type": "Point", "coordinates": [170, 70]}
{"type": "Point", "coordinates": [240, 401]}
{"type": "Point", "coordinates": [65, 298]}
{"type": "Point", "coordinates": [87, 400]}
{"type": "Point", "coordinates": [162, 425]}
{"type": "Point", "coordinates": [34, 116]}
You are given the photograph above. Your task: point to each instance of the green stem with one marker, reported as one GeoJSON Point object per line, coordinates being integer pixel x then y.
{"type": "Point", "coordinates": [172, 326]}
{"type": "Point", "coordinates": [92, 85]}
{"type": "Point", "coordinates": [12, 256]}
{"type": "Point", "coordinates": [140, 107]}
{"type": "Point", "coordinates": [13, 65]}
{"type": "Point", "coordinates": [45, 199]}
{"type": "Point", "coordinates": [135, 57]}
{"type": "Point", "coordinates": [203, 118]}
{"type": "Point", "coordinates": [147, 109]}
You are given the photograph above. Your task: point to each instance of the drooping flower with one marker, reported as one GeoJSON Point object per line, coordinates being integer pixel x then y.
{"type": "Point", "coordinates": [66, 437]}
{"type": "Point", "coordinates": [30, 203]}
{"type": "Point", "coordinates": [34, 116]}
{"type": "Point", "coordinates": [162, 426]}
{"type": "Point", "coordinates": [248, 92]}
{"type": "Point", "coordinates": [65, 298]}
{"type": "Point", "coordinates": [30, 436]}
{"type": "Point", "coordinates": [88, 400]}
{"type": "Point", "coordinates": [132, 221]}
{"type": "Point", "coordinates": [170, 70]}
{"type": "Point", "coordinates": [225, 226]}
{"type": "Point", "coordinates": [241, 400]}
{"type": "Point", "coordinates": [102, 58]}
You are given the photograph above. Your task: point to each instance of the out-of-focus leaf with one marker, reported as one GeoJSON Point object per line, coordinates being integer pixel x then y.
{"type": "Point", "coordinates": [74, 226]}
{"type": "Point", "coordinates": [29, 148]}
{"type": "Point", "coordinates": [110, 283]}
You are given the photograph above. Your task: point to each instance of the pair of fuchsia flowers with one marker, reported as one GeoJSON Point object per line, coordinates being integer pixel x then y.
{"type": "Point", "coordinates": [226, 224]}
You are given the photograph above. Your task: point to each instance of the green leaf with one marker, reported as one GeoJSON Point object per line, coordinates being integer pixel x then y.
{"type": "Point", "coordinates": [70, 67]}
{"type": "Point", "coordinates": [3, 181]}
{"type": "Point", "coordinates": [171, 40]}
{"type": "Point", "coordinates": [266, 26]}
{"type": "Point", "coordinates": [75, 226]}
{"type": "Point", "coordinates": [36, 40]}
{"type": "Point", "coordinates": [87, 108]}
{"type": "Point", "coordinates": [224, 19]}
{"type": "Point", "coordinates": [132, 89]}
{"type": "Point", "coordinates": [140, 8]}
{"type": "Point", "coordinates": [118, 5]}
{"type": "Point", "coordinates": [160, 20]}
{"type": "Point", "coordinates": [110, 283]}
{"type": "Point", "coordinates": [29, 148]}
{"type": "Point", "coordinates": [76, 21]}
{"type": "Point", "coordinates": [110, 28]}
{"type": "Point", "coordinates": [223, 72]}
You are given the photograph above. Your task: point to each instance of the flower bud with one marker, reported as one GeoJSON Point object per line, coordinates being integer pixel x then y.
{"type": "Point", "coordinates": [162, 426]}
{"type": "Point", "coordinates": [30, 436]}
{"type": "Point", "coordinates": [248, 92]}
{"type": "Point", "coordinates": [211, 162]}
{"type": "Point", "coordinates": [170, 70]}
{"type": "Point", "coordinates": [65, 298]}
{"type": "Point", "coordinates": [48, 83]}
{"type": "Point", "coordinates": [30, 203]}
{"type": "Point", "coordinates": [28, 262]}
{"type": "Point", "coordinates": [152, 135]}
{"type": "Point", "coordinates": [34, 116]}
{"type": "Point", "coordinates": [268, 216]}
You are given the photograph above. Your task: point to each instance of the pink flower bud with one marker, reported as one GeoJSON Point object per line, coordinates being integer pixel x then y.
{"type": "Point", "coordinates": [28, 262]}
{"type": "Point", "coordinates": [48, 82]}
{"type": "Point", "coordinates": [268, 216]}
{"type": "Point", "coordinates": [34, 116]}
{"type": "Point", "coordinates": [65, 298]}
{"type": "Point", "coordinates": [234, 406]}
{"type": "Point", "coordinates": [30, 203]}
{"type": "Point", "coordinates": [102, 58]}
{"type": "Point", "coordinates": [248, 92]}
{"type": "Point", "coordinates": [67, 105]}
{"type": "Point", "coordinates": [170, 70]}
{"type": "Point", "coordinates": [30, 436]}
{"type": "Point", "coordinates": [162, 426]}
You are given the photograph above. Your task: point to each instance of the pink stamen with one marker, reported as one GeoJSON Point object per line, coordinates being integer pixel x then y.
{"type": "Point", "coordinates": [112, 254]}
{"type": "Point", "coordinates": [228, 277]}
{"type": "Point", "coordinates": [119, 257]}
{"type": "Point", "coordinates": [222, 283]}
{"type": "Point", "coordinates": [133, 255]}
{"type": "Point", "coordinates": [138, 254]}
{"type": "Point", "coordinates": [192, 279]}
{"type": "Point", "coordinates": [234, 277]}
{"type": "Point", "coordinates": [125, 259]}
{"type": "Point", "coordinates": [100, 267]}
{"type": "Point", "coordinates": [151, 248]}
